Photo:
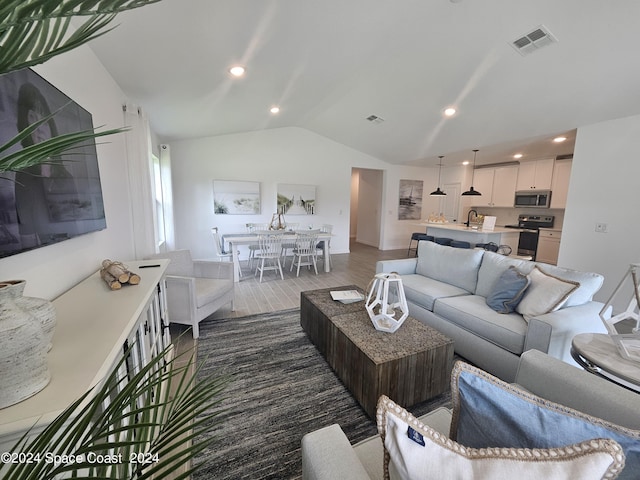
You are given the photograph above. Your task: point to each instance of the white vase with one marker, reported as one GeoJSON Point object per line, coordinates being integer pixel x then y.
{"type": "Point", "coordinates": [40, 308]}
{"type": "Point", "coordinates": [23, 350]}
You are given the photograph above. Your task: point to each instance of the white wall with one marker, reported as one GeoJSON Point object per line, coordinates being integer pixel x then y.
{"type": "Point", "coordinates": [284, 155]}
{"type": "Point", "coordinates": [604, 188]}
{"type": "Point", "coordinates": [54, 269]}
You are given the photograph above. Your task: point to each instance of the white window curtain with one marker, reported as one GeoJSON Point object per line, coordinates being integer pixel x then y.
{"type": "Point", "coordinates": [138, 142]}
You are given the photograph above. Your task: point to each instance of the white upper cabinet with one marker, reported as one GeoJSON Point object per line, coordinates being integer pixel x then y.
{"type": "Point", "coordinates": [560, 183]}
{"type": "Point", "coordinates": [535, 174]}
{"type": "Point", "coordinates": [497, 186]}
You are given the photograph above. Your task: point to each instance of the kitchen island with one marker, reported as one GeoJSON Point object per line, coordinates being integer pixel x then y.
{"type": "Point", "coordinates": [474, 234]}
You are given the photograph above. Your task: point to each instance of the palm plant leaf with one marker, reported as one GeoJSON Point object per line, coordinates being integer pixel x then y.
{"type": "Point", "coordinates": [33, 31]}
{"type": "Point", "coordinates": [43, 152]}
{"type": "Point", "coordinates": [134, 424]}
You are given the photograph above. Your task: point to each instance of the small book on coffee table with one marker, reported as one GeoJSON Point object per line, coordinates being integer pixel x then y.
{"type": "Point", "coordinates": [347, 296]}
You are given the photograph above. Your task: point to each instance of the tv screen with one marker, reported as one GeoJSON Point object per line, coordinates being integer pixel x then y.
{"type": "Point", "coordinates": [53, 202]}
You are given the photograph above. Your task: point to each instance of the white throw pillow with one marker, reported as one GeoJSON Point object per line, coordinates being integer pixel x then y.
{"type": "Point", "coordinates": [545, 294]}
{"type": "Point", "coordinates": [414, 451]}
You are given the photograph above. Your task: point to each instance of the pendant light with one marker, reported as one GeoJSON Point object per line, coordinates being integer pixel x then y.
{"type": "Point", "coordinates": [471, 190]}
{"type": "Point", "coordinates": [439, 192]}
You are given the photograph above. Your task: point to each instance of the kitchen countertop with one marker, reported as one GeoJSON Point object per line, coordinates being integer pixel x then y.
{"type": "Point", "coordinates": [463, 228]}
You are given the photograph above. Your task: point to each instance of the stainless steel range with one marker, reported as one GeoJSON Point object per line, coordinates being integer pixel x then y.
{"type": "Point", "coordinates": [530, 226]}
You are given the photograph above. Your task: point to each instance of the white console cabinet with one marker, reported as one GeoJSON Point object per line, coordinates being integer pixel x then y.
{"type": "Point", "coordinates": [95, 325]}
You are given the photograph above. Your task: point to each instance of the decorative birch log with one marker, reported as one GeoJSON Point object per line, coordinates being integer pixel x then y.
{"type": "Point", "coordinates": [110, 279]}
{"type": "Point", "coordinates": [117, 274]}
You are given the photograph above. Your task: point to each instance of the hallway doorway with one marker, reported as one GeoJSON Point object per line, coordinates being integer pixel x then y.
{"type": "Point", "coordinates": [366, 206]}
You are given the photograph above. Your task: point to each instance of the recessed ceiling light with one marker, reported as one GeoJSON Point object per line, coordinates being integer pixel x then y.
{"type": "Point", "coordinates": [237, 71]}
{"type": "Point", "coordinates": [449, 111]}
{"type": "Point", "coordinates": [275, 109]}
{"type": "Point", "coordinates": [559, 139]}
{"type": "Point", "coordinates": [517, 155]}
{"type": "Point", "coordinates": [466, 162]}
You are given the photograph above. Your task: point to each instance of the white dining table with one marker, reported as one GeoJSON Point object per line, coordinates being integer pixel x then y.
{"type": "Point", "coordinates": [236, 239]}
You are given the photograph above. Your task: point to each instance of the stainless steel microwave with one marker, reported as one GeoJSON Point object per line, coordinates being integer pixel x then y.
{"type": "Point", "coordinates": [533, 199]}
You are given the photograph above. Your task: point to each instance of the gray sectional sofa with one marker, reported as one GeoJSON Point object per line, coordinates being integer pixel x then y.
{"type": "Point", "coordinates": [328, 455]}
{"type": "Point", "coordinates": [447, 288]}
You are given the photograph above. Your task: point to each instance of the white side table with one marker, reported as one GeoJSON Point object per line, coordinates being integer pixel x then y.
{"type": "Point", "coordinates": [597, 353]}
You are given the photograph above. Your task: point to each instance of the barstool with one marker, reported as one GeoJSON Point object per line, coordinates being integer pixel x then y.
{"type": "Point", "coordinates": [417, 236]}
{"type": "Point", "coordinates": [443, 241]}
{"type": "Point", "coordinates": [459, 244]}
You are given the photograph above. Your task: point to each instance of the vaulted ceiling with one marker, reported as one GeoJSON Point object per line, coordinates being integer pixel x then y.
{"type": "Point", "coordinates": [330, 64]}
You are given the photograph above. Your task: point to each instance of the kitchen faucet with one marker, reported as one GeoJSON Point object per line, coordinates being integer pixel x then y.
{"type": "Point", "coordinates": [468, 223]}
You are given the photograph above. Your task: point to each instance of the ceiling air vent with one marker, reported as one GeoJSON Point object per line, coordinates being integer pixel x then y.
{"type": "Point", "coordinates": [375, 119]}
{"type": "Point", "coordinates": [534, 40]}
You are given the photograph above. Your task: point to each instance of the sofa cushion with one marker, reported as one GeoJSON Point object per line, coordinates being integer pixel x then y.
{"type": "Point", "coordinates": [370, 450]}
{"type": "Point", "coordinates": [423, 291]}
{"type": "Point", "coordinates": [545, 294]}
{"type": "Point", "coordinates": [493, 266]}
{"type": "Point", "coordinates": [508, 291]}
{"type": "Point", "coordinates": [472, 313]}
{"type": "Point", "coordinates": [456, 266]}
{"type": "Point", "coordinates": [415, 451]}
{"type": "Point", "coordinates": [210, 289]}
{"type": "Point", "coordinates": [491, 413]}
{"type": "Point", "coordinates": [589, 282]}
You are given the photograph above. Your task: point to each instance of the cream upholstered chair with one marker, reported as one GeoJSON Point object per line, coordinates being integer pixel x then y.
{"type": "Point", "coordinates": [268, 257]}
{"type": "Point", "coordinates": [305, 251]}
{"type": "Point", "coordinates": [196, 288]}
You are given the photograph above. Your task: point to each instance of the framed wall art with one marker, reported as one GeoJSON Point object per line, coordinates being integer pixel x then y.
{"type": "Point", "coordinates": [410, 200]}
{"type": "Point", "coordinates": [236, 197]}
{"type": "Point", "coordinates": [296, 199]}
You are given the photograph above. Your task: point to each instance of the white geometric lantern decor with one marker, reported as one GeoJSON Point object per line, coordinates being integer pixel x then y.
{"type": "Point", "coordinates": [628, 317]}
{"type": "Point", "coordinates": [386, 304]}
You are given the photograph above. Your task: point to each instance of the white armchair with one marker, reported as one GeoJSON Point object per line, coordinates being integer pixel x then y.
{"type": "Point", "coordinates": [196, 288]}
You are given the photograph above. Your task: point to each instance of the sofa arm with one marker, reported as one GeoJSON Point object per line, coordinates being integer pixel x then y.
{"type": "Point", "coordinates": [210, 269]}
{"type": "Point", "coordinates": [554, 380]}
{"type": "Point", "coordinates": [403, 266]}
{"type": "Point", "coordinates": [328, 455]}
{"type": "Point", "coordinates": [553, 332]}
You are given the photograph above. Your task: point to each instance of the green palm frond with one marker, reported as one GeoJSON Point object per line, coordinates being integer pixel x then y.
{"type": "Point", "coordinates": [45, 151]}
{"type": "Point", "coordinates": [140, 427]}
{"type": "Point", "coordinates": [34, 31]}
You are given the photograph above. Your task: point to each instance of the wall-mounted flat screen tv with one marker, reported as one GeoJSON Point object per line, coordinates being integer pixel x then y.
{"type": "Point", "coordinates": [52, 202]}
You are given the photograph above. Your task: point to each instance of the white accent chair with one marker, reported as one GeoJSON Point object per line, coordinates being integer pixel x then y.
{"type": "Point", "coordinates": [196, 288]}
{"type": "Point", "coordinates": [305, 252]}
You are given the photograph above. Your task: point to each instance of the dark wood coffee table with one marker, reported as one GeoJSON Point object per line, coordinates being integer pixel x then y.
{"type": "Point", "coordinates": [409, 366]}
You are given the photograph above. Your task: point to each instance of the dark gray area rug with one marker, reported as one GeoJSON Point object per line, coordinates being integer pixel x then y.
{"type": "Point", "coordinates": [281, 388]}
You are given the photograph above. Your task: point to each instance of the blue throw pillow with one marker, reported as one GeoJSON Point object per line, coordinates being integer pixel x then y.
{"type": "Point", "coordinates": [488, 412]}
{"type": "Point", "coordinates": [508, 291]}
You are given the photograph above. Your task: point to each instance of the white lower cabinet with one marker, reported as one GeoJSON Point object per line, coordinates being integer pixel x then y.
{"type": "Point", "coordinates": [95, 327]}
{"type": "Point", "coordinates": [548, 246]}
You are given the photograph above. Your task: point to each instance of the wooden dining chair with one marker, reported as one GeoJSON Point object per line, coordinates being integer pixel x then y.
{"type": "Point", "coordinates": [268, 255]}
{"type": "Point", "coordinates": [305, 251]}
{"type": "Point", "coordinates": [219, 251]}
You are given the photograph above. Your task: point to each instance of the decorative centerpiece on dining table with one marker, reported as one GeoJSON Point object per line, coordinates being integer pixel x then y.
{"type": "Point", "coordinates": [386, 303]}
{"type": "Point", "coordinates": [277, 222]}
